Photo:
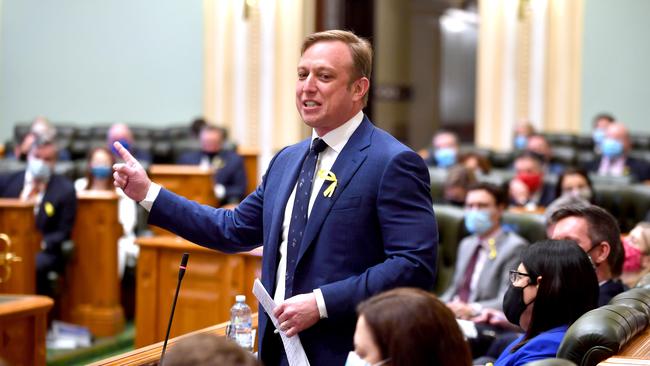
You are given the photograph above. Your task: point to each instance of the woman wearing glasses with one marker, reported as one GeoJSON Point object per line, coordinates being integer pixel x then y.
{"type": "Point", "coordinates": [553, 286]}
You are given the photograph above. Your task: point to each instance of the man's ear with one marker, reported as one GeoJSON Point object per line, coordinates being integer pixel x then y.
{"type": "Point", "coordinates": [360, 88]}
{"type": "Point", "coordinates": [602, 253]}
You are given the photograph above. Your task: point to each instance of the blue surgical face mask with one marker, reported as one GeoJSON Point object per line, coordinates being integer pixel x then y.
{"type": "Point", "coordinates": [39, 169]}
{"type": "Point", "coordinates": [124, 143]}
{"type": "Point", "coordinates": [478, 221]}
{"type": "Point", "coordinates": [520, 142]}
{"type": "Point", "coordinates": [598, 136]}
{"type": "Point", "coordinates": [611, 148]}
{"type": "Point", "coordinates": [101, 171]}
{"type": "Point", "coordinates": [445, 157]}
{"type": "Point", "coordinates": [354, 360]}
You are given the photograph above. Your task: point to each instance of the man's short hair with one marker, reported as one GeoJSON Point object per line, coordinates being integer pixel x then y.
{"type": "Point", "coordinates": [360, 49]}
{"type": "Point", "coordinates": [606, 116]}
{"type": "Point", "coordinates": [527, 154]}
{"type": "Point", "coordinates": [602, 227]}
{"type": "Point", "coordinates": [213, 128]}
{"type": "Point", "coordinates": [499, 194]}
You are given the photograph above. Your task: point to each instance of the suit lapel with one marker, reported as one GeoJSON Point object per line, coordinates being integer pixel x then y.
{"type": "Point", "coordinates": [345, 166]}
{"type": "Point", "coordinates": [286, 185]}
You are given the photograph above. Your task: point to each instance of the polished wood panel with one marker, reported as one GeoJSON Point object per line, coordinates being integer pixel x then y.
{"type": "Point", "coordinates": [92, 295]}
{"type": "Point", "coordinates": [23, 326]}
{"type": "Point", "coordinates": [18, 222]}
{"type": "Point", "coordinates": [635, 352]}
{"type": "Point", "coordinates": [150, 355]}
{"type": "Point", "coordinates": [251, 158]}
{"type": "Point", "coordinates": [208, 290]}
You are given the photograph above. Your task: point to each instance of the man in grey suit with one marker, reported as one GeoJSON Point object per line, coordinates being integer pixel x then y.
{"type": "Point", "coordinates": [485, 257]}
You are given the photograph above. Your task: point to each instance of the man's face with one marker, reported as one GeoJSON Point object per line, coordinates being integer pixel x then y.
{"type": "Point", "coordinates": [47, 153]}
{"type": "Point", "coordinates": [527, 165]}
{"type": "Point", "coordinates": [617, 131]}
{"type": "Point", "coordinates": [324, 96]}
{"type": "Point", "coordinates": [211, 141]}
{"type": "Point", "coordinates": [539, 145]}
{"type": "Point", "coordinates": [573, 228]}
{"type": "Point", "coordinates": [445, 141]}
{"type": "Point", "coordinates": [480, 199]}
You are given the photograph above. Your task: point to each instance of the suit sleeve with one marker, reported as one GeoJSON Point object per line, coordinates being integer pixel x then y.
{"type": "Point", "coordinates": [409, 234]}
{"type": "Point", "coordinates": [511, 262]}
{"type": "Point", "coordinates": [235, 183]}
{"type": "Point", "coordinates": [68, 211]}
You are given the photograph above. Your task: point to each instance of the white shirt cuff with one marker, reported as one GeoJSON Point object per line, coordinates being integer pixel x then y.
{"type": "Point", "coordinates": [320, 301]}
{"type": "Point", "coordinates": [476, 308]}
{"type": "Point", "coordinates": [152, 194]}
{"type": "Point", "coordinates": [219, 191]}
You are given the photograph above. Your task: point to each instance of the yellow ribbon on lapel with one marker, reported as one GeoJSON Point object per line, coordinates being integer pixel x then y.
{"type": "Point", "coordinates": [328, 176]}
{"type": "Point", "coordinates": [493, 249]}
{"type": "Point", "coordinates": [49, 209]}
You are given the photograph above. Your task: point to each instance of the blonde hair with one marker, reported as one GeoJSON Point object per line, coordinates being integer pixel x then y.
{"type": "Point", "coordinates": [360, 49]}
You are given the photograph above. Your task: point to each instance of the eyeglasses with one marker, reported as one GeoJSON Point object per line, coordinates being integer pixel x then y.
{"type": "Point", "coordinates": [516, 276]}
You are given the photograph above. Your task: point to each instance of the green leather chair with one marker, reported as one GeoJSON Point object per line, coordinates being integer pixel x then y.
{"type": "Point", "coordinates": [451, 231]}
{"type": "Point", "coordinates": [601, 333]}
{"type": "Point", "coordinates": [530, 226]}
{"type": "Point", "coordinates": [637, 298]}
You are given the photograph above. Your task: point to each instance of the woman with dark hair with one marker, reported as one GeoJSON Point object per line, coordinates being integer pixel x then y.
{"type": "Point", "coordinates": [552, 287]}
{"type": "Point", "coordinates": [407, 327]}
{"type": "Point", "coordinates": [574, 182]}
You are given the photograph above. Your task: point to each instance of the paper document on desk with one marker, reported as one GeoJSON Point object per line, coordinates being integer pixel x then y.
{"type": "Point", "coordinates": [292, 346]}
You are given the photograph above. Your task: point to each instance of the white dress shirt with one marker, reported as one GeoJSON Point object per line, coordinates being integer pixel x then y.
{"type": "Point", "coordinates": [27, 189]}
{"type": "Point", "coordinates": [336, 141]}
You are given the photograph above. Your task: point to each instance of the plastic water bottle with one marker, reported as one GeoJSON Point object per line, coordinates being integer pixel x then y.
{"type": "Point", "coordinates": [241, 323]}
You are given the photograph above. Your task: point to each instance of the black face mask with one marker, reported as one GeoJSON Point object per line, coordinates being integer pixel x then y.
{"type": "Point", "coordinates": [513, 303]}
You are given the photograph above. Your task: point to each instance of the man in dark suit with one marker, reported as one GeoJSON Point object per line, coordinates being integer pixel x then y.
{"type": "Point", "coordinates": [615, 160]}
{"type": "Point", "coordinates": [55, 205]}
{"type": "Point", "coordinates": [528, 188]}
{"type": "Point", "coordinates": [121, 133]}
{"type": "Point", "coordinates": [230, 175]}
{"type": "Point", "coordinates": [365, 225]}
{"type": "Point", "coordinates": [597, 233]}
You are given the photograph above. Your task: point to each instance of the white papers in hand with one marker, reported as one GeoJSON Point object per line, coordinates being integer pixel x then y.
{"type": "Point", "coordinates": [292, 346]}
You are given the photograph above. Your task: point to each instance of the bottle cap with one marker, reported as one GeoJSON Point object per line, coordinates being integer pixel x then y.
{"type": "Point", "coordinates": [240, 298]}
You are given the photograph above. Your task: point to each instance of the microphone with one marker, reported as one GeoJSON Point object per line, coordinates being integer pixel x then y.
{"type": "Point", "coordinates": [181, 273]}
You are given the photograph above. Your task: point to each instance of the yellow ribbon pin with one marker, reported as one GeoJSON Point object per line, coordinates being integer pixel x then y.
{"type": "Point", "coordinates": [328, 176]}
{"type": "Point", "coordinates": [493, 249]}
{"type": "Point", "coordinates": [49, 209]}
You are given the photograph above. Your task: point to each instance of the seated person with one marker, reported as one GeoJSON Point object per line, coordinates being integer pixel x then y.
{"type": "Point", "coordinates": [407, 327]}
{"type": "Point", "coordinates": [443, 152]}
{"type": "Point", "coordinates": [615, 160]}
{"type": "Point", "coordinates": [208, 350]}
{"type": "Point", "coordinates": [230, 175]}
{"type": "Point", "coordinates": [99, 177]}
{"type": "Point", "coordinates": [523, 130]}
{"type": "Point", "coordinates": [485, 257]}
{"type": "Point", "coordinates": [573, 187]}
{"type": "Point", "coordinates": [42, 128]}
{"type": "Point", "coordinates": [55, 206]}
{"type": "Point", "coordinates": [122, 133]}
{"type": "Point", "coordinates": [637, 254]}
{"type": "Point", "coordinates": [477, 163]}
{"type": "Point", "coordinates": [600, 123]}
{"type": "Point", "coordinates": [538, 144]}
{"type": "Point", "coordinates": [551, 288]}
{"type": "Point", "coordinates": [458, 180]}
{"type": "Point", "coordinates": [597, 233]}
{"type": "Point", "coordinates": [528, 189]}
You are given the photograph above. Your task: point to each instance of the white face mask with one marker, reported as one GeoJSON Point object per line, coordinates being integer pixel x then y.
{"type": "Point", "coordinates": [355, 360]}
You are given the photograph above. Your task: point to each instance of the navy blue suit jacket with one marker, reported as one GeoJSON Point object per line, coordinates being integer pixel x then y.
{"type": "Point", "coordinates": [377, 231]}
{"type": "Point", "coordinates": [637, 168]}
{"type": "Point", "coordinates": [60, 193]}
{"type": "Point", "coordinates": [231, 174]}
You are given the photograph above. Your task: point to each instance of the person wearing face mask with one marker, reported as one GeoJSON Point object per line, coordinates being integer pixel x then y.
{"type": "Point", "coordinates": [601, 122]}
{"type": "Point", "coordinates": [230, 176]}
{"type": "Point", "coordinates": [551, 288]}
{"type": "Point", "coordinates": [55, 206]}
{"type": "Point", "coordinates": [637, 254]}
{"type": "Point", "coordinates": [484, 258]}
{"type": "Point", "coordinates": [532, 191]}
{"type": "Point", "coordinates": [120, 132]}
{"type": "Point", "coordinates": [615, 160]}
{"type": "Point", "coordinates": [523, 130]}
{"type": "Point", "coordinates": [407, 327]}
{"type": "Point", "coordinates": [98, 177]}
{"type": "Point", "coordinates": [597, 233]}
{"type": "Point", "coordinates": [443, 152]}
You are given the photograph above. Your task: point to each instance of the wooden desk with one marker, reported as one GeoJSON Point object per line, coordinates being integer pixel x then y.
{"type": "Point", "coordinates": [17, 220]}
{"type": "Point", "coordinates": [189, 181]}
{"type": "Point", "coordinates": [250, 157]}
{"type": "Point", "coordinates": [150, 355]}
{"type": "Point", "coordinates": [92, 296]}
{"type": "Point", "coordinates": [23, 325]}
{"type": "Point", "coordinates": [635, 352]}
{"type": "Point", "coordinates": [208, 290]}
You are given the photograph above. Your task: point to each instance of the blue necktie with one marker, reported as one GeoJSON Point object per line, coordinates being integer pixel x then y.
{"type": "Point", "coordinates": [300, 211]}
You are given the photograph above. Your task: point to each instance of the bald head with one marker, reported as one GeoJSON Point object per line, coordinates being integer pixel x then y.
{"type": "Point", "coordinates": [119, 131]}
{"type": "Point", "coordinates": [619, 132]}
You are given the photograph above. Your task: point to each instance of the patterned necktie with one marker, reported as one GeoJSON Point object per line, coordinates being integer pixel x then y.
{"type": "Point", "coordinates": [300, 211]}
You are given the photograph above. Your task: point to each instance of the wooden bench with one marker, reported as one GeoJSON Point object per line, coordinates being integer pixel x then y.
{"type": "Point", "coordinates": [18, 222]}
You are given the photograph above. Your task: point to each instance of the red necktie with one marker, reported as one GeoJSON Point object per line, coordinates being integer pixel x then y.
{"type": "Point", "coordinates": [464, 289]}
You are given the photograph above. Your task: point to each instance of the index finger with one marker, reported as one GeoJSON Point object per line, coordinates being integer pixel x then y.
{"type": "Point", "coordinates": [124, 153]}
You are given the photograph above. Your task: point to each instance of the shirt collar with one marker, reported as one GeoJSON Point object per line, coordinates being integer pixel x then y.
{"type": "Point", "coordinates": [338, 137]}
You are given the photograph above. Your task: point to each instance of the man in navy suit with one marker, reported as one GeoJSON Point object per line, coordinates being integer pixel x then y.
{"type": "Point", "coordinates": [365, 225]}
{"type": "Point", "coordinates": [55, 205]}
{"type": "Point", "coordinates": [229, 176]}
